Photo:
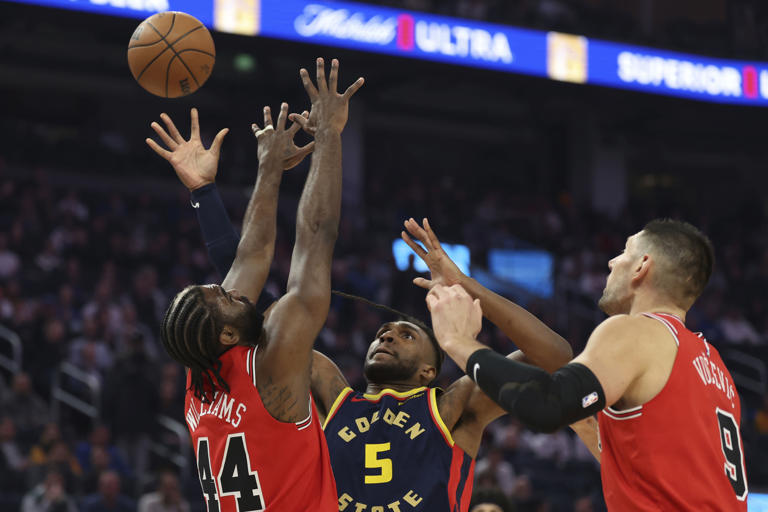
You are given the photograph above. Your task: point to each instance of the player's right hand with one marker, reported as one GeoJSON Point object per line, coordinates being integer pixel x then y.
{"type": "Point", "coordinates": [194, 165]}
{"type": "Point", "coordinates": [329, 108]}
{"type": "Point", "coordinates": [442, 269]}
{"type": "Point", "coordinates": [456, 317]}
{"type": "Point", "coordinates": [276, 142]}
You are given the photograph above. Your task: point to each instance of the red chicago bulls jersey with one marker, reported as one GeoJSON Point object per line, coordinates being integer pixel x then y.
{"type": "Point", "coordinates": [249, 461]}
{"type": "Point", "coordinates": [682, 449]}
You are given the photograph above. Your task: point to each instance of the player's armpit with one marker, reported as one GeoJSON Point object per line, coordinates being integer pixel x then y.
{"type": "Point", "coordinates": [587, 431]}
{"type": "Point", "coordinates": [327, 382]}
{"type": "Point", "coordinates": [283, 365]}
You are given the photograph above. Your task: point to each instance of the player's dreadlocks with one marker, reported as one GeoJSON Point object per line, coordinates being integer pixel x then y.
{"type": "Point", "coordinates": [189, 332]}
{"type": "Point", "coordinates": [439, 354]}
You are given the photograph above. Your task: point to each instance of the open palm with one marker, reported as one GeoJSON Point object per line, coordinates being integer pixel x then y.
{"type": "Point", "coordinates": [194, 165]}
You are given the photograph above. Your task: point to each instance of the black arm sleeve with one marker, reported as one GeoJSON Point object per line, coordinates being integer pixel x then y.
{"type": "Point", "coordinates": [541, 401]}
{"type": "Point", "coordinates": [219, 235]}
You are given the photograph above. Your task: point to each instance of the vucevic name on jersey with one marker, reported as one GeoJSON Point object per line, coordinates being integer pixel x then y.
{"type": "Point", "coordinates": [392, 452]}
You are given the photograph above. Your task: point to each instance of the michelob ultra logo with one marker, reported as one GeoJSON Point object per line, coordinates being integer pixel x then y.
{"type": "Point", "coordinates": [408, 32]}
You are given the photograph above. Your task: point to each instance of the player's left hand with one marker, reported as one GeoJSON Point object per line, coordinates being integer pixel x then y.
{"type": "Point", "coordinates": [442, 269]}
{"type": "Point", "coordinates": [456, 317]}
{"type": "Point", "coordinates": [194, 165]}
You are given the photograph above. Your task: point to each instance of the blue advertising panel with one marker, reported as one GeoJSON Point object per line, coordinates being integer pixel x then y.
{"type": "Point", "coordinates": [406, 34]}
{"type": "Point", "coordinates": [370, 28]}
{"type": "Point", "coordinates": [757, 502]}
{"type": "Point", "coordinates": [676, 74]}
{"type": "Point", "coordinates": [140, 9]}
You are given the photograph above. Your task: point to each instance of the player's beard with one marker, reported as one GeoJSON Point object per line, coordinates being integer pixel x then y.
{"type": "Point", "coordinates": [250, 324]}
{"type": "Point", "coordinates": [395, 370]}
{"type": "Point", "coordinates": [615, 300]}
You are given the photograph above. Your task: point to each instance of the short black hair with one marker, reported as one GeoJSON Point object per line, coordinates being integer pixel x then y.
{"type": "Point", "coordinates": [439, 354]}
{"type": "Point", "coordinates": [492, 495]}
{"type": "Point", "coordinates": [189, 333]}
{"type": "Point", "coordinates": [688, 258]}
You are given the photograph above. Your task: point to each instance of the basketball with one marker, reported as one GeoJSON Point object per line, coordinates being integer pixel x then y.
{"type": "Point", "coordinates": [171, 54]}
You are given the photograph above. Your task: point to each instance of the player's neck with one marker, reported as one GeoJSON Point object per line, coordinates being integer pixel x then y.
{"type": "Point", "coordinates": [377, 387]}
{"type": "Point", "coordinates": [652, 303]}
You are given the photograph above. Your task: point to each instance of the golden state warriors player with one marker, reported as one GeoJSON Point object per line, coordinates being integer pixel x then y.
{"type": "Point", "coordinates": [401, 445]}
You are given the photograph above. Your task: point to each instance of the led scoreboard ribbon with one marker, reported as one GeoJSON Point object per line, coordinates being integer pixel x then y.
{"type": "Point", "coordinates": [557, 56]}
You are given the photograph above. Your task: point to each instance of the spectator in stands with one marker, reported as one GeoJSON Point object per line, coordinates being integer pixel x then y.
{"type": "Point", "coordinates": [12, 460]}
{"type": "Point", "coordinates": [49, 496]}
{"type": "Point", "coordinates": [500, 471]}
{"type": "Point", "coordinates": [737, 330]}
{"type": "Point", "coordinates": [167, 497]}
{"type": "Point", "coordinates": [489, 500]}
{"type": "Point", "coordinates": [99, 440]}
{"type": "Point", "coordinates": [52, 451]}
{"type": "Point", "coordinates": [28, 411]}
{"type": "Point", "coordinates": [109, 498]}
{"type": "Point", "coordinates": [9, 260]}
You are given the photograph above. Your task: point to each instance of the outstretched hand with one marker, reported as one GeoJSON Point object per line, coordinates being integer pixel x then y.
{"type": "Point", "coordinates": [442, 269]}
{"type": "Point", "coordinates": [329, 108]}
{"type": "Point", "coordinates": [277, 142]}
{"type": "Point", "coordinates": [456, 317]}
{"type": "Point", "coordinates": [194, 165]}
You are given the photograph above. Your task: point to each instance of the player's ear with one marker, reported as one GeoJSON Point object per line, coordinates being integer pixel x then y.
{"type": "Point", "coordinates": [229, 335]}
{"type": "Point", "coordinates": [427, 373]}
{"type": "Point", "coordinates": [642, 268]}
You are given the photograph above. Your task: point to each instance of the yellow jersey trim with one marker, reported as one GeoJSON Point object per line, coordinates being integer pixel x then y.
{"type": "Point", "coordinates": [392, 392]}
{"type": "Point", "coordinates": [336, 403]}
{"type": "Point", "coordinates": [437, 418]}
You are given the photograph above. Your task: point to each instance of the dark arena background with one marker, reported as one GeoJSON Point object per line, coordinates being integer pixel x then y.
{"type": "Point", "coordinates": [535, 177]}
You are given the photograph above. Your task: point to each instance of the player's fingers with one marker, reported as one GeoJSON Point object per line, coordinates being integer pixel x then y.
{"type": "Point", "coordinates": [433, 240]}
{"type": "Point", "coordinates": [333, 78]}
{"type": "Point", "coordinates": [431, 301]}
{"type": "Point", "coordinates": [157, 149]}
{"type": "Point", "coordinates": [422, 283]}
{"type": "Point", "coordinates": [352, 89]}
{"type": "Point", "coordinates": [420, 252]}
{"type": "Point", "coordinates": [299, 121]}
{"type": "Point", "coordinates": [308, 85]}
{"type": "Point", "coordinates": [172, 128]}
{"type": "Point", "coordinates": [306, 149]}
{"type": "Point", "coordinates": [322, 85]}
{"type": "Point", "coordinates": [416, 230]}
{"type": "Point", "coordinates": [267, 117]}
{"type": "Point", "coordinates": [217, 141]}
{"type": "Point", "coordinates": [195, 124]}
{"type": "Point", "coordinates": [282, 117]}
{"type": "Point", "coordinates": [167, 140]}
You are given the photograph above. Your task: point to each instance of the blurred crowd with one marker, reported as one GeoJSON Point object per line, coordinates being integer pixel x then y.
{"type": "Point", "coordinates": [86, 275]}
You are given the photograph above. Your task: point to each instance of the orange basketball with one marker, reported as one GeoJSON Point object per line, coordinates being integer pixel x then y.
{"type": "Point", "coordinates": [171, 54]}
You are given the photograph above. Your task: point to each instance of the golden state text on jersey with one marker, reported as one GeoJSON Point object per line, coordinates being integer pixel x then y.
{"type": "Point", "coordinates": [391, 452]}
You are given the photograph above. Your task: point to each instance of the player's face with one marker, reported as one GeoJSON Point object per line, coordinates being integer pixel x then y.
{"type": "Point", "coordinates": [617, 295]}
{"type": "Point", "coordinates": [236, 310]}
{"type": "Point", "coordinates": [398, 352]}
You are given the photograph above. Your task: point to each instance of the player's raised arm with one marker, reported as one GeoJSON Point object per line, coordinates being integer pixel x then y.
{"type": "Point", "coordinates": [598, 377]}
{"type": "Point", "coordinates": [277, 152]}
{"type": "Point", "coordinates": [283, 377]}
{"type": "Point", "coordinates": [541, 345]}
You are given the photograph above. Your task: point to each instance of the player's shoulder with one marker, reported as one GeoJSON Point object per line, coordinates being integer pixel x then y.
{"type": "Point", "coordinates": [634, 332]}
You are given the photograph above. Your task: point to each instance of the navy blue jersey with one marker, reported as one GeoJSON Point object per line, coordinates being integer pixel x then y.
{"type": "Point", "coordinates": [392, 452]}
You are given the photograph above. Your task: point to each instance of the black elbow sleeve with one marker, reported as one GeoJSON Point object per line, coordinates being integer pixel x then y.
{"type": "Point", "coordinates": [571, 394]}
{"type": "Point", "coordinates": [541, 401]}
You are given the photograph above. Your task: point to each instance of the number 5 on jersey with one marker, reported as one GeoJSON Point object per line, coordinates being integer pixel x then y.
{"type": "Point", "coordinates": [236, 478]}
{"type": "Point", "coordinates": [383, 465]}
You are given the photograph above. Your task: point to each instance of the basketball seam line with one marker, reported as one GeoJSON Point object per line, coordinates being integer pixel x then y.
{"type": "Point", "coordinates": [173, 22]}
{"type": "Point", "coordinates": [168, 45]}
{"type": "Point", "coordinates": [175, 55]}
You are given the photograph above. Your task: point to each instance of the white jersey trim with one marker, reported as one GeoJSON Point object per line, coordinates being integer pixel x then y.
{"type": "Point", "coordinates": [667, 323]}
{"type": "Point", "coordinates": [305, 423]}
{"type": "Point", "coordinates": [621, 418]}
